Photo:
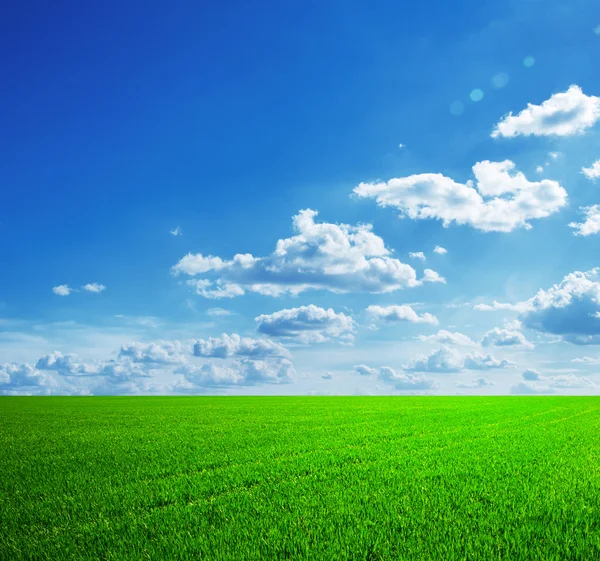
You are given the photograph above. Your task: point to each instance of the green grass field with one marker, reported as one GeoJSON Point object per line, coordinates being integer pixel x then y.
{"type": "Point", "coordinates": [300, 478]}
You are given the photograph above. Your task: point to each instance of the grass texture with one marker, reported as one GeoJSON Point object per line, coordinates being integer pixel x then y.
{"type": "Point", "coordinates": [321, 478]}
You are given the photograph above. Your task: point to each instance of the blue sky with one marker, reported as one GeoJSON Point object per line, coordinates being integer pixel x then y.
{"type": "Point", "coordinates": [146, 145]}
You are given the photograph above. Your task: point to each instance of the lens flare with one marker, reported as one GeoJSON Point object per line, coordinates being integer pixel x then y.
{"type": "Point", "coordinates": [476, 95]}
{"type": "Point", "coordinates": [500, 80]}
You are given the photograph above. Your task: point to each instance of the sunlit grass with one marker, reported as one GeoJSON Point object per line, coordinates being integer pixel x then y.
{"type": "Point", "coordinates": [300, 478]}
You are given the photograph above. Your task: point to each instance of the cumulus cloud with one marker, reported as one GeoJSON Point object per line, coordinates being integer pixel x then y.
{"type": "Point", "coordinates": [478, 361]}
{"type": "Point", "coordinates": [402, 381]}
{"type": "Point", "coordinates": [440, 250]}
{"type": "Point", "coordinates": [530, 388]}
{"type": "Point", "coordinates": [150, 368]}
{"type": "Point", "coordinates": [448, 360]}
{"type": "Point", "coordinates": [62, 290]}
{"type": "Point", "coordinates": [66, 364]}
{"type": "Point", "coordinates": [400, 313]}
{"type": "Point", "coordinates": [592, 172]}
{"type": "Point", "coordinates": [125, 370]}
{"type": "Point", "coordinates": [591, 224]}
{"type": "Point", "coordinates": [505, 338]}
{"type": "Point", "coordinates": [335, 257]}
{"type": "Point", "coordinates": [535, 383]}
{"type": "Point", "coordinates": [161, 352]}
{"type": "Point", "coordinates": [93, 287]}
{"type": "Point", "coordinates": [564, 114]}
{"type": "Point", "coordinates": [500, 200]}
{"type": "Point", "coordinates": [431, 276]}
{"type": "Point", "coordinates": [308, 324]}
{"type": "Point", "coordinates": [227, 346]}
{"type": "Point", "coordinates": [478, 383]}
{"type": "Point", "coordinates": [447, 337]}
{"type": "Point", "coordinates": [444, 359]}
{"type": "Point", "coordinates": [531, 375]}
{"type": "Point", "coordinates": [240, 373]}
{"type": "Point", "coordinates": [570, 309]}
{"type": "Point", "coordinates": [364, 370]}
{"type": "Point", "coordinates": [24, 376]}
{"type": "Point", "coordinates": [417, 255]}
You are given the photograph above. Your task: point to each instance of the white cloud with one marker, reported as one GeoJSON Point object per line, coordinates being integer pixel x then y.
{"type": "Point", "coordinates": [447, 337]}
{"type": "Point", "coordinates": [478, 383]}
{"type": "Point", "coordinates": [218, 312]}
{"type": "Point", "coordinates": [444, 359]}
{"type": "Point", "coordinates": [405, 381]}
{"type": "Point", "coordinates": [400, 313]}
{"type": "Point", "coordinates": [587, 360]}
{"type": "Point", "coordinates": [159, 367]}
{"type": "Point", "coordinates": [125, 370]}
{"type": "Point", "coordinates": [535, 383]}
{"type": "Point", "coordinates": [327, 376]}
{"type": "Point", "coordinates": [239, 373]}
{"type": "Point", "coordinates": [401, 146]}
{"type": "Point", "coordinates": [176, 231]}
{"type": "Point", "coordinates": [309, 324]}
{"type": "Point", "coordinates": [570, 309]}
{"type": "Point", "coordinates": [566, 113]}
{"type": "Point", "coordinates": [478, 361]}
{"type": "Point", "coordinates": [440, 250]}
{"type": "Point", "coordinates": [554, 155]}
{"type": "Point", "coordinates": [227, 346]}
{"type": "Point", "coordinates": [364, 370]}
{"type": "Point", "coordinates": [448, 360]}
{"type": "Point", "coordinates": [531, 375]}
{"type": "Point", "coordinates": [23, 376]}
{"type": "Point", "coordinates": [500, 200]}
{"type": "Point", "coordinates": [592, 172]}
{"type": "Point", "coordinates": [431, 276]}
{"type": "Point", "coordinates": [591, 224]}
{"type": "Point", "coordinates": [495, 306]}
{"type": "Point", "coordinates": [417, 255]}
{"type": "Point", "coordinates": [94, 287]}
{"type": "Point", "coordinates": [221, 290]}
{"type": "Point", "coordinates": [401, 381]}
{"type": "Point", "coordinates": [66, 364]}
{"type": "Point", "coordinates": [505, 338]}
{"type": "Point", "coordinates": [530, 388]}
{"type": "Point", "coordinates": [62, 290]}
{"type": "Point", "coordinates": [539, 169]}
{"type": "Point", "coordinates": [161, 352]}
{"type": "Point", "coordinates": [335, 257]}
{"type": "Point", "coordinates": [571, 381]}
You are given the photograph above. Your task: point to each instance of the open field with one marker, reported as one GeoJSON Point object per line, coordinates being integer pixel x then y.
{"type": "Point", "coordinates": [300, 478]}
